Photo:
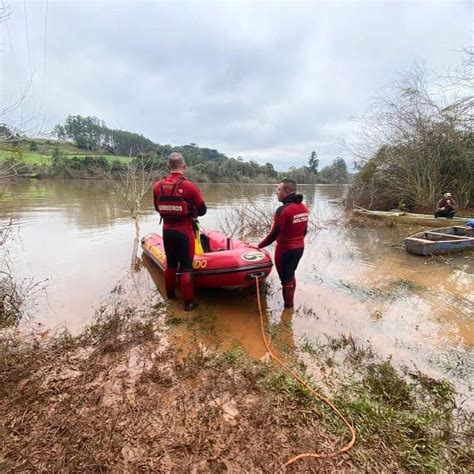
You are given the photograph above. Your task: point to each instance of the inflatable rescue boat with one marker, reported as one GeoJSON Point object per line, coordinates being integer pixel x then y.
{"type": "Point", "coordinates": [226, 262]}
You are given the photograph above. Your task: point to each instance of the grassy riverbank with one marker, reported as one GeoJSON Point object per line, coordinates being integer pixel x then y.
{"type": "Point", "coordinates": [38, 158]}
{"type": "Point", "coordinates": [121, 397]}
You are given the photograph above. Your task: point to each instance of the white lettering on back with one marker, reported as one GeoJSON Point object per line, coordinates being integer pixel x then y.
{"type": "Point", "coordinates": [303, 217]}
{"type": "Point", "coordinates": [167, 207]}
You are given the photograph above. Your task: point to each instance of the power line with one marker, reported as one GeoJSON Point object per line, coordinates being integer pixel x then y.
{"type": "Point", "coordinates": [44, 49]}
{"type": "Point", "coordinates": [11, 47]}
{"type": "Point", "coordinates": [29, 55]}
{"type": "Point", "coordinates": [27, 38]}
{"type": "Point", "coordinates": [44, 64]}
{"type": "Point", "coordinates": [15, 65]}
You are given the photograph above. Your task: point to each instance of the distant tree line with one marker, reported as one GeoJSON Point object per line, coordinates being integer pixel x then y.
{"type": "Point", "coordinates": [204, 164]}
{"type": "Point", "coordinates": [96, 144]}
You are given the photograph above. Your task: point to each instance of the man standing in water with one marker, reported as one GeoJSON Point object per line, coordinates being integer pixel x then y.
{"type": "Point", "coordinates": [179, 202]}
{"type": "Point", "coordinates": [290, 224]}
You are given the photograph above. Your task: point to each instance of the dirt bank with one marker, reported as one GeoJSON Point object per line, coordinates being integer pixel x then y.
{"type": "Point", "coordinates": [118, 398]}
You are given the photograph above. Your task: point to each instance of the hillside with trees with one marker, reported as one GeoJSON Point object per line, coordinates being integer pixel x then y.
{"type": "Point", "coordinates": [85, 147]}
{"type": "Point", "coordinates": [204, 164]}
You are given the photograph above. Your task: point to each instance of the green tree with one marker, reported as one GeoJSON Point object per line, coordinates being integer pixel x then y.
{"type": "Point", "coordinates": [313, 163]}
{"type": "Point", "coordinates": [60, 132]}
{"type": "Point", "coordinates": [269, 170]}
{"type": "Point", "coordinates": [335, 173]}
{"type": "Point", "coordinates": [87, 132]}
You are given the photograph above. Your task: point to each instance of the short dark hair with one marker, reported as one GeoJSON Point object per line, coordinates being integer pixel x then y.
{"type": "Point", "coordinates": [289, 184]}
{"type": "Point", "coordinates": [175, 160]}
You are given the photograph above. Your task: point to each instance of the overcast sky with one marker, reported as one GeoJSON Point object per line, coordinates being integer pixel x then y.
{"type": "Point", "coordinates": [266, 81]}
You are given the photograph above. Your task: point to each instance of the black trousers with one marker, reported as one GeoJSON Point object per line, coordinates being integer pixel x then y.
{"type": "Point", "coordinates": [286, 262]}
{"type": "Point", "coordinates": [448, 214]}
{"type": "Point", "coordinates": [179, 250]}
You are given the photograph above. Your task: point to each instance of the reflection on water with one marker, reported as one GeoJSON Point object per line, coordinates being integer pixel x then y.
{"type": "Point", "coordinates": [220, 320]}
{"type": "Point", "coordinates": [76, 234]}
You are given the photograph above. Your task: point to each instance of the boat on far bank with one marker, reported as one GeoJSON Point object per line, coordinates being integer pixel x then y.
{"type": "Point", "coordinates": [441, 241]}
{"type": "Point", "coordinates": [413, 219]}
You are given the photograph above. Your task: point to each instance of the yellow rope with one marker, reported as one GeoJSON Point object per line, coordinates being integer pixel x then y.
{"type": "Point", "coordinates": [346, 447]}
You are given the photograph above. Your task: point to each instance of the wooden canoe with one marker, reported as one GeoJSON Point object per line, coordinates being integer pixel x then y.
{"type": "Point", "coordinates": [425, 220]}
{"type": "Point", "coordinates": [441, 241]}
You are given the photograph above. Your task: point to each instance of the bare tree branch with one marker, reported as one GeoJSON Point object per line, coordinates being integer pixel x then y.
{"type": "Point", "coordinates": [132, 184]}
{"type": "Point", "coordinates": [416, 142]}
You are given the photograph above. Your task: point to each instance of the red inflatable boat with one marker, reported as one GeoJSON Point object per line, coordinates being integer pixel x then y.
{"type": "Point", "coordinates": [226, 263]}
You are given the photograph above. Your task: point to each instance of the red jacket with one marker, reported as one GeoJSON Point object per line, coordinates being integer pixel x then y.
{"type": "Point", "coordinates": [290, 224]}
{"type": "Point", "coordinates": [190, 192]}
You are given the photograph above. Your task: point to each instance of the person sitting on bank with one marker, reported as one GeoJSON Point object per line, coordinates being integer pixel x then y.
{"type": "Point", "coordinates": [446, 207]}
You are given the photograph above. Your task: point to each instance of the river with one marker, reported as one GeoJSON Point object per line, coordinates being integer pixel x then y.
{"type": "Point", "coordinates": [72, 245]}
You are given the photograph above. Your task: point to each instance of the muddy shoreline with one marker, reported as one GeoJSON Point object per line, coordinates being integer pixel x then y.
{"type": "Point", "coordinates": [121, 397]}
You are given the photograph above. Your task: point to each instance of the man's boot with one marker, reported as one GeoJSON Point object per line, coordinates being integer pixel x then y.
{"type": "Point", "coordinates": [288, 295]}
{"type": "Point", "coordinates": [170, 283]}
{"type": "Point", "coordinates": [190, 305]}
{"type": "Point", "coordinates": [187, 291]}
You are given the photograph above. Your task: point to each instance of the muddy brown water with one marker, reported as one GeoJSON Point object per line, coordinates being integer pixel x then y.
{"type": "Point", "coordinates": [74, 237]}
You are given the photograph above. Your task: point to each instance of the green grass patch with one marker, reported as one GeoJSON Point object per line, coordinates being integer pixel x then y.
{"type": "Point", "coordinates": [391, 291]}
{"type": "Point", "coordinates": [385, 384]}
{"type": "Point", "coordinates": [27, 157]}
{"type": "Point", "coordinates": [405, 421]}
{"type": "Point", "coordinates": [40, 159]}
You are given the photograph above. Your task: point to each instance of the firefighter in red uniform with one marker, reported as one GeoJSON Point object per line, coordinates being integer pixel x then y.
{"type": "Point", "coordinates": [179, 203]}
{"type": "Point", "coordinates": [290, 224]}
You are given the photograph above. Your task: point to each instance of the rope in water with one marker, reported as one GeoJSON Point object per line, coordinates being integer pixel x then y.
{"type": "Point", "coordinates": [346, 447]}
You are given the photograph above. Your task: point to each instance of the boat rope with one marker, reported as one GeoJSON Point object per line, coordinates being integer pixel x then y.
{"type": "Point", "coordinates": [316, 394]}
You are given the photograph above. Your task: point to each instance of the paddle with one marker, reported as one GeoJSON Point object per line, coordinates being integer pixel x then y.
{"type": "Point", "coordinates": [197, 238]}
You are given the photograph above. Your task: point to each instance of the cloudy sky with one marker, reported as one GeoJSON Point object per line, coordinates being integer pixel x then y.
{"type": "Point", "coordinates": [266, 81]}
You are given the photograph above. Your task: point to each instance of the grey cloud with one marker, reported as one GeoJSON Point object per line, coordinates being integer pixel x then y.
{"type": "Point", "coordinates": [266, 81]}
